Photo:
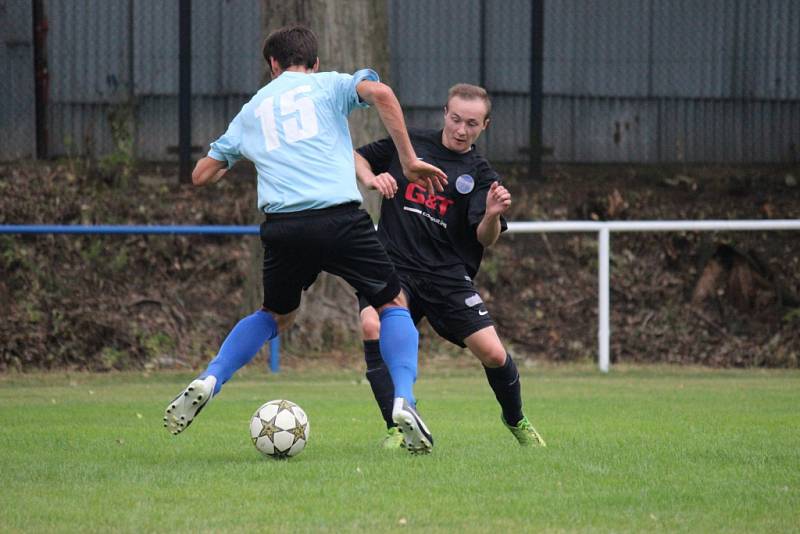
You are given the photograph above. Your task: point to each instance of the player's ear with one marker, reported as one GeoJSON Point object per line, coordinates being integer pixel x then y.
{"type": "Point", "coordinates": [315, 68]}
{"type": "Point", "coordinates": [274, 67]}
{"type": "Point", "coordinates": [486, 122]}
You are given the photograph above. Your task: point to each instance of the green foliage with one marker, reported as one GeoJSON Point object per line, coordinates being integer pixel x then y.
{"type": "Point", "coordinates": [119, 262]}
{"type": "Point", "coordinates": [116, 167]}
{"type": "Point", "coordinates": [793, 315]}
{"type": "Point", "coordinates": [158, 344]}
{"type": "Point", "coordinates": [77, 164]}
{"type": "Point", "coordinates": [490, 267]}
{"type": "Point", "coordinates": [33, 314]}
{"type": "Point", "coordinates": [639, 450]}
{"type": "Point", "coordinates": [10, 252]}
{"type": "Point", "coordinates": [113, 358]}
{"type": "Point", "coordinates": [95, 250]}
{"type": "Point", "coordinates": [120, 163]}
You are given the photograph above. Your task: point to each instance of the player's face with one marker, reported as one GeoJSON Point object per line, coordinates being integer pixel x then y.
{"type": "Point", "coordinates": [464, 120]}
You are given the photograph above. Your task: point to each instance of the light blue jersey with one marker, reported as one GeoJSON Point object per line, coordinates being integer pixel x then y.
{"type": "Point", "coordinates": [295, 132]}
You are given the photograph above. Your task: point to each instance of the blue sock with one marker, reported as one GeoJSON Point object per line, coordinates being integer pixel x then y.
{"type": "Point", "coordinates": [241, 345]}
{"type": "Point", "coordinates": [399, 344]}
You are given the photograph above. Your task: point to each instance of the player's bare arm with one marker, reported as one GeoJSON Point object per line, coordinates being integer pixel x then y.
{"type": "Point", "coordinates": [384, 183]}
{"type": "Point", "coordinates": [384, 100]}
{"type": "Point", "coordinates": [498, 200]}
{"type": "Point", "coordinates": [208, 171]}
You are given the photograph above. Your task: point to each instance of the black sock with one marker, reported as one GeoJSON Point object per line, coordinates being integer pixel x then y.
{"type": "Point", "coordinates": [380, 380]}
{"type": "Point", "coordinates": [505, 384]}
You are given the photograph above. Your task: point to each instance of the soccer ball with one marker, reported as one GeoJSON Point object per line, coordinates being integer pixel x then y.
{"type": "Point", "coordinates": [279, 429]}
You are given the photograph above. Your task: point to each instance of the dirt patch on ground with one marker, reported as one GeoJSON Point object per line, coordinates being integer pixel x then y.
{"type": "Point", "coordinates": [88, 302]}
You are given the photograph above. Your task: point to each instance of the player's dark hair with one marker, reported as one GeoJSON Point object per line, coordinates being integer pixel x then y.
{"type": "Point", "coordinates": [290, 46]}
{"type": "Point", "coordinates": [470, 92]}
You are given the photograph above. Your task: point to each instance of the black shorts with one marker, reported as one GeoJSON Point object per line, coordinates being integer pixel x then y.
{"type": "Point", "coordinates": [340, 240]}
{"type": "Point", "coordinates": [453, 307]}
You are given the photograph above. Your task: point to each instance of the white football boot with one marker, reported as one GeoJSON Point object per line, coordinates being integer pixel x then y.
{"type": "Point", "coordinates": [184, 408]}
{"type": "Point", "coordinates": [416, 435]}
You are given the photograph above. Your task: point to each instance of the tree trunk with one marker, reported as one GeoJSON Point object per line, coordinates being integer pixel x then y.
{"type": "Point", "coordinates": [353, 34]}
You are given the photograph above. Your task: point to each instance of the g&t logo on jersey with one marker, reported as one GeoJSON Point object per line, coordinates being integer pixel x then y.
{"type": "Point", "coordinates": [465, 184]}
{"type": "Point", "coordinates": [438, 203]}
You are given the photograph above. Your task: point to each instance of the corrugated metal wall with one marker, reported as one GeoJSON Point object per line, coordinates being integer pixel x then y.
{"type": "Point", "coordinates": [17, 102]}
{"type": "Point", "coordinates": [120, 59]}
{"type": "Point", "coordinates": [88, 59]}
{"type": "Point", "coordinates": [226, 69]}
{"type": "Point", "coordinates": [624, 80]}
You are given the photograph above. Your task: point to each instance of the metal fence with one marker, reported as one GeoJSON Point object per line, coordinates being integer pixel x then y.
{"type": "Point", "coordinates": [112, 71]}
{"type": "Point", "coordinates": [603, 230]}
{"type": "Point", "coordinates": [621, 80]}
{"type": "Point", "coordinates": [17, 87]}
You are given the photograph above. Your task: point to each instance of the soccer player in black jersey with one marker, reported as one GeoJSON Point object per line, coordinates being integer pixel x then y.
{"type": "Point", "coordinates": [436, 242]}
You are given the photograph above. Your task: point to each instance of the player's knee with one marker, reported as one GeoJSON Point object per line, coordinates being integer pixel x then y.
{"type": "Point", "coordinates": [370, 326]}
{"type": "Point", "coordinates": [399, 301]}
{"type": "Point", "coordinates": [284, 321]}
{"type": "Point", "coordinates": [494, 357]}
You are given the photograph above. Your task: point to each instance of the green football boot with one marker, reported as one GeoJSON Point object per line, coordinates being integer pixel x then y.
{"type": "Point", "coordinates": [525, 433]}
{"type": "Point", "coordinates": [393, 439]}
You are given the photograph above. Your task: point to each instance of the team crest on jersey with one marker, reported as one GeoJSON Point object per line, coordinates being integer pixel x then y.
{"type": "Point", "coordinates": [465, 184]}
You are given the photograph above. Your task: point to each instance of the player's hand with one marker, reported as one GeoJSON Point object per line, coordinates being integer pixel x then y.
{"type": "Point", "coordinates": [498, 199]}
{"type": "Point", "coordinates": [385, 184]}
{"type": "Point", "coordinates": [426, 175]}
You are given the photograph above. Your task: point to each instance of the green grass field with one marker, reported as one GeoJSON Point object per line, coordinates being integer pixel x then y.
{"type": "Point", "coordinates": [640, 449]}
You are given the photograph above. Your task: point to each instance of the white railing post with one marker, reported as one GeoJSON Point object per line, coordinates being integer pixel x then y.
{"type": "Point", "coordinates": [603, 327]}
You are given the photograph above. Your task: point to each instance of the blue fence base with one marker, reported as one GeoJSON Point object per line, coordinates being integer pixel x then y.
{"type": "Point", "coordinates": [126, 229]}
{"type": "Point", "coordinates": [275, 354]}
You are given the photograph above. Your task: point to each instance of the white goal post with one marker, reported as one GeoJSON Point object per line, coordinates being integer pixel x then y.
{"type": "Point", "coordinates": [604, 230]}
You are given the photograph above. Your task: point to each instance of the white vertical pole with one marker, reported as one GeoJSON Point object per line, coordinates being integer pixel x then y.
{"type": "Point", "coordinates": [603, 328]}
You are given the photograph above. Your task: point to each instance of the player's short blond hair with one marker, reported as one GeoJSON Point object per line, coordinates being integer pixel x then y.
{"type": "Point", "coordinates": [470, 92]}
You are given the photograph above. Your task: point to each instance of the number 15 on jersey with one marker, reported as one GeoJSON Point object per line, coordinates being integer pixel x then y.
{"type": "Point", "coordinates": [297, 117]}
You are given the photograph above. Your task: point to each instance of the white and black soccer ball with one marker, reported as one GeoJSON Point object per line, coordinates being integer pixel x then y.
{"type": "Point", "coordinates": [279, 429]}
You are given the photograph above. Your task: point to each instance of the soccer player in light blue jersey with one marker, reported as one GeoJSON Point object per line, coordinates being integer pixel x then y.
{"type": "Point", "coordinates": [295, 132]}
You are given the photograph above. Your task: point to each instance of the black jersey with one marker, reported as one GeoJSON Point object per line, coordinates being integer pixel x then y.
{"type": "Point", "coordinates": [433, 234]}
